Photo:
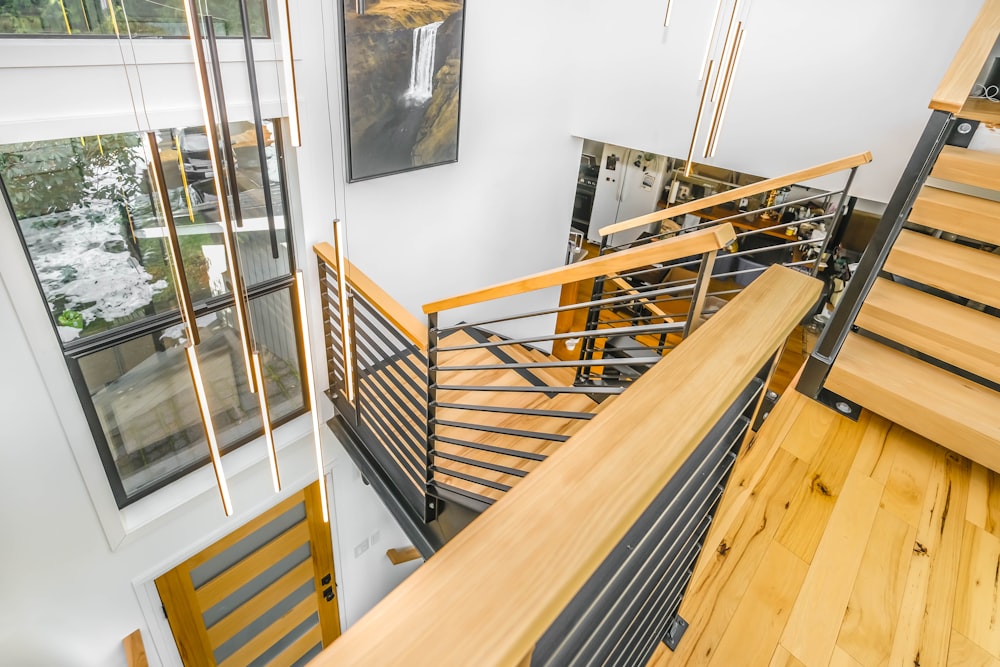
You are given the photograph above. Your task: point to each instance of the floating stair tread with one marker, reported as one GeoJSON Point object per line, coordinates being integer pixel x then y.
{"type": "Point", "coordinates": [975, 168]}
{"type": "Point", "coordinates": [981, 109]}
{"type": "Point", "coordinates": [965, 215]}
{"type": "Point", "coordinates": [973, 274]}
{"type": "Point", "coordinates": [955, 334]}
{"type": "Point", "coordinates": [950, 410]}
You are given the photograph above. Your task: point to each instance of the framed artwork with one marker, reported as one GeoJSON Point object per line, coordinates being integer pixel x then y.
{"type": "Point", "coordinates": [403, 61]}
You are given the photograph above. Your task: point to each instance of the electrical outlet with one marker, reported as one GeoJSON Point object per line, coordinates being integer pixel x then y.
{"type": "Point", "coordinates": [360, 549]}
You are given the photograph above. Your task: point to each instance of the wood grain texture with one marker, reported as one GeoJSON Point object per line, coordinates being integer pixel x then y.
{"type": "Point", "coordinates": [695, 243]}
{"type": "Point", "coordinates": [981, 109]}
{"type": "Point", "coordinates": [736, 194]}
{"type": "Point", "coordinates": [958, 80]}
{"type": "Point", "coordinates": [462, 597]}
{"type": "Point", "coordinates": [135, 650]}
{"type": "Point", "coordinates": [940, 406]}
{"type": "Point", "coordinates": [961, 165]}
{"type": "Point", "coordinates": [968, 272]}
{"type": "Point", "coordinates": [782, 658]}
{"type": "Point", "coordinates": [402, 555]}
{"type": "Point", "coordinates": [401, 318]}
{"type": "Point", "coordinates": [977, 606]}
{"type": "Point", "coordinates": [965, 215]}
{"type": "Point", "coordinates": [945, 330]}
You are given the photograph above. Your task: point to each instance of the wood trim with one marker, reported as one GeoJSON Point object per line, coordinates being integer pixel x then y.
{"type": "Point", "coordinates": [695, 243]}
{"type": "Point", "coordinates": [184, 616]}
{"type": "Point", "coordinates": [968, 62]}
{"type": "Point", "coordinates": [135, 650]}
{"type": "Point", "coordinates": [493, 590]}
{"type": "Point", "coordinates": [255, 607]}
{"type": "Point", "coordinates": [403, 555]}
{"type": "Point", "coordinates": [414, 330]}
{"type": "Point", "coordinates": [321, 549]}
{"type": "Point", "coordinates": [271, 635]}
{"type": "Point", "coordinates": [745, 191]}
{"type": "Point", "coordinates": [216, 590]}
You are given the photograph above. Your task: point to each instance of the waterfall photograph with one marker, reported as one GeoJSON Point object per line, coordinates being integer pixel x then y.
{"type": "Point", "coordinates": [403, 83]}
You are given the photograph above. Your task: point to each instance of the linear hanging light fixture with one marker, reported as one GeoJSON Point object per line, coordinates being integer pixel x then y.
{"type": "Point", "coordinates": [311, 388]}
{"type": "Point", "coordinates": [727, 48]}
{"type": "Point", "coordinates": [711, 40]}
{"type": "Point", "coordinates": [697, 122]}
{"type": "Point", "coordinates": [345, 308]}
{"type": "Point", "coordinates": [190, 322]}
{"type": "Point", "coordinates": [288, 60]}
{"type": "Point", "coordinates": [670, 9]}
{"type": "Point", "coordinates": [229, 240]}
{"type": "Point", "coordinates": [720, 112]}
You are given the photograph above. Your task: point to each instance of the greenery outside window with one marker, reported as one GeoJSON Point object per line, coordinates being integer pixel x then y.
{"type": "Point", "coordinates": [90, 224]}
{"type": "Point", "coordinates": [136, 18]}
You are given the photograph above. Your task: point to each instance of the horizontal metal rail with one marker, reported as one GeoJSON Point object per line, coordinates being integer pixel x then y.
{"type": "Point", "coordinates": [530, 412]}
{"type": "Point", "coordinates": [516, 472]}
{"type": "Point", "coordinates": [470, 478]}
{"type": "Point", "coordinates": [536, 365]}
{"type": "Point", "coordinates": [654, 328]}
{"type": "Point", "coordinates": [610, 391]}
{"type": "Point", "coordinates": [513, 432]}
{"type": "Point", "coordinates": [493, 449]}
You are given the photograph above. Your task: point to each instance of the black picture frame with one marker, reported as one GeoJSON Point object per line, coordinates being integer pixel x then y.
{"type": "Point", "coordinates": [402, 74]}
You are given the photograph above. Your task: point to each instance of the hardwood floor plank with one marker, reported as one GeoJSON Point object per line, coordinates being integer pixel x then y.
{"type": "Point", "coordinates": [803, 527]}
{"type": "Point", "coordinates": [984, 499]}
{"type": "Point", "coordinates": [763, 612]}
{"type": "Point", "coordinates": [870, 619]}
{"type": "Point", "coordinates": [810, 635]}
{"type": "Point", "coordinates": [924, 628]}
{"type": "Point", "coordinates": [806, 436]}
{"type": "Point", "coordinates": [842, 658]}
{"type": "Point", "coordinates": [966, 653]}
{"type": "Point", "coordinates": [729, 561]}
{"type": "Point", "coordinates": [977, 601]}
{"type": "Point", "coordinates": [783, 658]}
{"type": "Point", "coordinates": [875, 454]}
{"type": "Point", "coordinates": [907, 481]}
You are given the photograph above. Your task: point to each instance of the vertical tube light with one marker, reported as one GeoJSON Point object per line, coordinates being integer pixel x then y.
{"type": "Point", "coordinates": [711, 39]}
{"type": "Point", "coordinates": [697, 122]}
{"type": "Point", "coordinates": [288, 60]}
{"type": "Point", "coordinates": [727, 47]}
{"type": "Point", "coordinates": [345, 320]}
{"type": "Point", "coordinates": [311, 387]}
{"type": "Point", "coordinates": [724, 103]}
{"type": "Point", "coordinates": [670, 9]}
{"type": "Point", "coordinates": [204, 92]}
{"type": "Point", "coordinates": [187, 313]}
{"type": "Point", "coordinates": [265, 415]}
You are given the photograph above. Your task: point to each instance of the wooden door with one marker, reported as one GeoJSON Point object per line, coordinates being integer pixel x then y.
{"type": "Point", "coordinates": [263, 595]}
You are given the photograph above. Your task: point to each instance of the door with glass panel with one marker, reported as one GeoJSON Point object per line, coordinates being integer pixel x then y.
{"type": "Point", "coordinates": [262, 595]}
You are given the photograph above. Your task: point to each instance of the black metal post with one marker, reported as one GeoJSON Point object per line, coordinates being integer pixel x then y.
{"type": "Point", "coordinates": [896, 213]}
{"type": "Point", "coordinates": [835, 223]}
{"type": "Point", "coordinates": [431, 508]}
{"type": "Point", "coordinates": [258, 124]}
{"type": "Point", "coordinates": [229, 157]}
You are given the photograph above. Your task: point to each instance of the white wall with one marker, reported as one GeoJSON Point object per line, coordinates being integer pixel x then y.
{"type": "Point", "coordinates": [817, 80]}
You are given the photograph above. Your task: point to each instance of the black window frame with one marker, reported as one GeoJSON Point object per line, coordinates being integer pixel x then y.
{"type": "Point", "coordinates": [105, 340]}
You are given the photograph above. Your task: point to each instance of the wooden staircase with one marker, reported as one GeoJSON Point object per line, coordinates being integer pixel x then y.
{"type": "Point", "coordinates": [926, 349]}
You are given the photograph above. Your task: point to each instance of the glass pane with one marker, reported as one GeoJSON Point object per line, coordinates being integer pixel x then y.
{"type": "Point", "coordinates": [82, 206]}
{"type": "Point", "coordinates": [93, 228]}
{"type": "Point", "coordinates": [145, 403]}
{"type": "Point", "coordinates": [160, 18]}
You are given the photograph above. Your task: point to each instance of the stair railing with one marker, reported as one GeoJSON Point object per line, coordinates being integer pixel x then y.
{"type": "Point", "coordinates": [378, 375]}
{"type": "Point", "coordinates": [589, 558]}
{"type": "Point", "coordinates": [767, 233]}
{"type": "Point", "coordinates": [499, 404]}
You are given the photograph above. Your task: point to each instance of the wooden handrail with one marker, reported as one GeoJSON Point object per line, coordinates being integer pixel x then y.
{"type": "Point", "coordinates": [741, 192]}
{"type": "Point", "coordinates": [695, 243]}
{"type": "Point", "coordinates": [961, 76]}
{"type": "Point", "coordinates": [402, 555]}
{"type": "Point", "coordinates": [135, 650]}
{"type": "Point", "coordinates": [488, 596]}
{"type": "Point", "coordinates": [414, 330]}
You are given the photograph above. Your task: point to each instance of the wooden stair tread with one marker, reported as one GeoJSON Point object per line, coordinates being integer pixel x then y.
{"type": "Point", "coordinates": [939, 405]}
{"type": "Point", "coordinates": [975, 168]}
{"type": "Point", "coordinates": [955, 334]}
{"type": "Point", "coordinates": [981, 109]}
{"type": "Point", "coordinates": [965, 215]}
{"type": "Point", "coordinates": [967, 272]}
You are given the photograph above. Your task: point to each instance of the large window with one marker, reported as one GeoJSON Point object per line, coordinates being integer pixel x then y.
{"type": "Point", "coordinates": [138, 18]}
{"type": "Point", "coordinates": [90, 223]}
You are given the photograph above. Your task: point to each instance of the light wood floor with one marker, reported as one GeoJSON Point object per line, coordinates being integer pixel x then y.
{"type": "Point", "coordinates": [842, 543]}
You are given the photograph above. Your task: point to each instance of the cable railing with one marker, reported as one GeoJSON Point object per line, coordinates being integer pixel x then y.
{"type": "Point", "coordinates": [500, 404]}
{"type": "Point", "coordinates": [587, 561]}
